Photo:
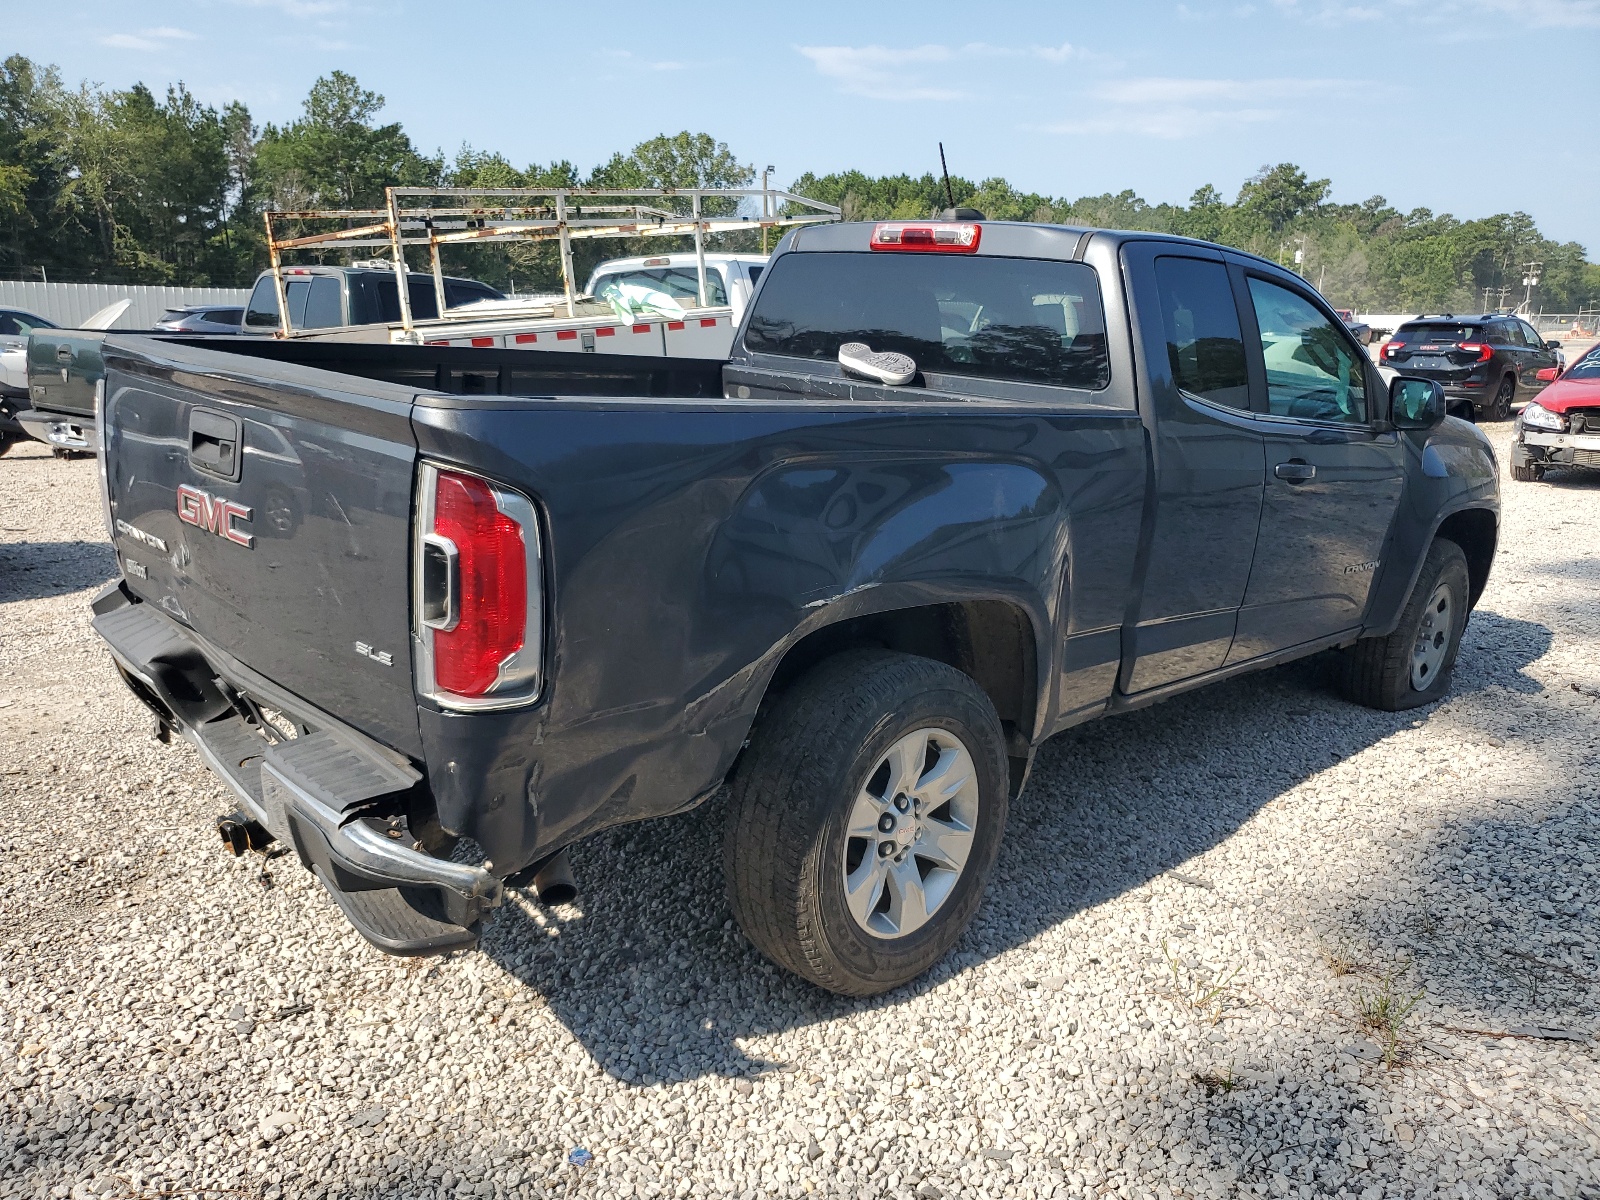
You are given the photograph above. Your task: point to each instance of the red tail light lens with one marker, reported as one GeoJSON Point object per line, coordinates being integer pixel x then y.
{"type": "Point", "coordinates": [1390, 348]}
{"type": "Point", "coordinates": [1483, 350]}
{"type": "Point", "coordinates": [938, 237]}
{"type": "Point", "coordinates": [478, 587]}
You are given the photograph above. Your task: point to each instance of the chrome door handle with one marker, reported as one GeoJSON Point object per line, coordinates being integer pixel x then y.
{"type": "Point", "coordinates": [1295, 472]}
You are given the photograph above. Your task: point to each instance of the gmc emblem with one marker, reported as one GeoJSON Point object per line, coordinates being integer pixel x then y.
{"type": "Point", "coordinates": [213, 514]}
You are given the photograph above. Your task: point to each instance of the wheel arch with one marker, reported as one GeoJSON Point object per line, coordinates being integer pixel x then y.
{"type": "Point", "coordinates": [1477, 532]}
{"type": "Point", "coordinates": [992, 640]}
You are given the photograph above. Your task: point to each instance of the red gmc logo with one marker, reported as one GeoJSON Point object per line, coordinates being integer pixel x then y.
{"type": "Point", "coordinates": [213, 514]}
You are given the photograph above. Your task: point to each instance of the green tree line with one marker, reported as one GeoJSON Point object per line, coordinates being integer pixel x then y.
{"type": "Point", "coordinates": [128, 186]}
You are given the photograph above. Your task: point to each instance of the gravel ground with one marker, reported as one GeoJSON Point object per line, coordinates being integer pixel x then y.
{"type": "Point", "coordinates": [1254, 941]}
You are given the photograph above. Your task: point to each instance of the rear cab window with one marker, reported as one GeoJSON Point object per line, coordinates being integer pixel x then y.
{"type": "Point", "coordinates": [1018, 320]}
{"type": "Point", "coordinates": [681, 283]}
{"type": "Point", "coordinates": [1205, 344]}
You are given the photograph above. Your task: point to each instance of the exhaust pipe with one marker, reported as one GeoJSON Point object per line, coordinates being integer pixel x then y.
{"type": "Point", "coordinates": [553, 883]}
{"type": "Point", "coordinates": [239, 833]}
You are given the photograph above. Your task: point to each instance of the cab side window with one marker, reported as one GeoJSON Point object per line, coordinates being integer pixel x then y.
{"type": "Point", "coordinates": [1314, 372]}
{"type": "Point", "coordinates": [262, 312]}
{"type": "Point", "coordinates": [1531, 336]}
{"type": "Point", "coordinates": [1500, 334]}
{"type": "Point", "coordinates": [1205, 347]}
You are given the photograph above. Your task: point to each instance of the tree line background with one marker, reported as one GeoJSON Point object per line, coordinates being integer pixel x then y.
{"type": "Point", "coordinates": [124, 186]}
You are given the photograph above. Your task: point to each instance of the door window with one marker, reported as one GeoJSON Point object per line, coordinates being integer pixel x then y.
{"type": "Point", "coordinates": [1501, 335]}
{"type": "Point", "coordinates": [1205, 347]}
{"type": "Point", "coordinates": [1531, 336]}
{"type": "Point", "coordinates": [1314, 373]}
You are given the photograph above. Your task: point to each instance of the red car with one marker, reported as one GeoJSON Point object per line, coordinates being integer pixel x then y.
{"type": "Point", "coordinates": [1562, 427]}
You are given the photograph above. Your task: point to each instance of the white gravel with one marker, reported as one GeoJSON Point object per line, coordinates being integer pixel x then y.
{"type": "Point", "coordinates": [173, 1019]}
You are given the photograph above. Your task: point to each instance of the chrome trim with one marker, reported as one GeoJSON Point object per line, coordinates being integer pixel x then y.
{"type": "Point", "coordinates": [520, 679]}
{"type": "Point", "coordinates": [365, 849]}
{"type": "Point", "coordinates": [102, 462]}
{"type": "Point", "coordinates": [452, 558]}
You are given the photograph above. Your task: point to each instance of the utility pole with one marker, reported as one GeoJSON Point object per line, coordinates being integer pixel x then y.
{"type": "Point", "coordinates": [766, 213]}
{"type": "Point", "coordinates": [1300, 255]}
{"type": "Point", "coordinates": [1530, 280]}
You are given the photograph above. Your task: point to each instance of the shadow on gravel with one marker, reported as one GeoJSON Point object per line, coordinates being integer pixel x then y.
{"type": "Point", "coordinates": [658, 986]}
{"type": "Point", "coordinates": [1574, 479]}
{"type": "Point", "coordinates": [38, 570]}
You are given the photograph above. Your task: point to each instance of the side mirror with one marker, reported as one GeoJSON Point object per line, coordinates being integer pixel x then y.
{"type": "Point", "coordinates": [1549, 374]}
{"type": "Point", "coordinates": [1552, 345]}
{"type": "Point", "coordinates": [1415, 403]}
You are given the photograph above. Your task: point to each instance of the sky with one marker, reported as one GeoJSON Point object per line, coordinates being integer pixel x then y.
{"type": "Point", "coordinates": [1471, 107]}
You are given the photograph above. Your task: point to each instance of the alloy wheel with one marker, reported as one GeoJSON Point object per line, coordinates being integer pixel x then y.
{"type": "Point", "coordinates": [910, 833]}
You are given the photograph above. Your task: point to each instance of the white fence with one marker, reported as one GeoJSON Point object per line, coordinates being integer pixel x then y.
{"type": "Point", "coordinates": [69, 304]}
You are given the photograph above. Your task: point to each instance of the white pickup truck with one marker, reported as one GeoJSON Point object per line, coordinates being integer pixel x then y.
{"type": "Point", "coordinates": [695, 331]}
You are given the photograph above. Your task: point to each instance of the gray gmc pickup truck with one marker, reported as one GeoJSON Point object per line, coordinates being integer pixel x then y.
{"type": "Point", "coordinates": [435, 614]}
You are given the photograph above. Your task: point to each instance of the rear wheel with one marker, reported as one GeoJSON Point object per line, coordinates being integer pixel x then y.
{"type": "Point", "coordinates": [1411, 667]}
{"type": "Point", "coordinates": [865, 818]}
{"type": "Point", "coordinates": [1500, 406]}
{"type": "Point", "coordinates": [7, 440]}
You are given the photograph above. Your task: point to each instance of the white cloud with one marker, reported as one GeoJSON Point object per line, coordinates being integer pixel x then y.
{"type": "Point", "coordinates": [298, 8]}
{"type": "Point", "coordinates": [148, 39]}
{"type": "Point", "coordinates": [1543, 14]}
{"type": "Point", "coordinates": [913, 72]}
{"type": "Point", "coordinates": [1547, 14]}
{"type": "Point", "coordinates": [1172, 108]}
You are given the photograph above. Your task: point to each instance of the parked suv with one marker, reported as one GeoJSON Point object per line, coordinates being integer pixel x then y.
{"type": "Point", "coordinates": [202, 318]}
{"type": "Point", "coordinates": [1486, 361]}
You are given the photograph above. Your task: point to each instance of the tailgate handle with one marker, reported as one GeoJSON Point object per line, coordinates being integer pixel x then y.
{"type": "Point", "coordinates": [214, 443]}
{"type": "Point", "coordinates": [441, 582]}
{"type": "Point", "coordinates": [64, 353]}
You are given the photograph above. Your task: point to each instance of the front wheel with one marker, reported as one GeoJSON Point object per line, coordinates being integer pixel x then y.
{"type": "Point", "coordinates": [1528, 474]}
{"type": "Point", "coordinates": [1411, 667]}
{"type": "Point", "coordinates": [865, 818]}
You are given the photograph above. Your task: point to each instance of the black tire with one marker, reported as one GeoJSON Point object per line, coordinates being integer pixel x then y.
{"type": "Point", "coordinates": [786, 847]}
{"type": "Point", "coordinates": [1500, 407]}
{"type": "Point", "coordinates": [1528, 474]}
{"type": "Point", "coordinates": [7, 440]}
{"type": "Point", "coordinates": [1377, 671]}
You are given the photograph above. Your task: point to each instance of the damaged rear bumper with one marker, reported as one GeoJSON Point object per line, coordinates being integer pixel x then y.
{"type": "Point", "coordinates": [335, 795]}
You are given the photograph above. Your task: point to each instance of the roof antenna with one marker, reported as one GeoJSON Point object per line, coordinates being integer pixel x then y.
{"type": "Point", "coordinates": [953, 213]}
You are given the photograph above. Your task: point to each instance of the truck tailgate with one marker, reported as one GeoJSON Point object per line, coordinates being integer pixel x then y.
{"type": "Point", "coordinates": [267, 506]}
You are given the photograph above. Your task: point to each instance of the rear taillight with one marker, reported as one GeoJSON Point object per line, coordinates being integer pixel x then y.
{"type": "Point", "coordinates": [1482, 349]}
{"type": "Point", "coordinates": [478, 584]}
{"type": "Point", "coordinates": [1390, 348]}
{"type": "Point", "coordinates": [939, 237]}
